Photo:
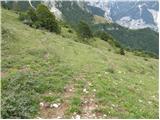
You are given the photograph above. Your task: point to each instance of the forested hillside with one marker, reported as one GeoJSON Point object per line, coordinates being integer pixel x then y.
{"type": "Point", "coordinates": [142, 39]}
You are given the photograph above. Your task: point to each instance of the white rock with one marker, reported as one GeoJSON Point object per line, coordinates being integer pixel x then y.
{"type": "Point", "coordinates": [70, 90]}
{"type": "Point", "coordinates": [41, 104]}
{"type": "Point", "coordinates": [50, 93]}
{"type": "Point", "coordinates": [91, 100]}
{"type": "Point", "coordinates": [59, 117]}
{"type": "Point", "coordinates": [54, 105]}
{"type": "Point", "coordinates": [87, 92]}
{"type": "Point", "coordinates": [38, 118]}
{"type": "Point", "coordinates": [84, 90]}
{"type": "Point", "coordinates": [104, 115]}
{"type": "Point", "coordinates": [77, 117]}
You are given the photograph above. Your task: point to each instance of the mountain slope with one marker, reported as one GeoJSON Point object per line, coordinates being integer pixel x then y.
{"type": "Point", "coordinates": [142, 39]}
{"type": "Point", "coordinates": [74, 11]}
{"type": "Point", "coordinates": [45, 75]}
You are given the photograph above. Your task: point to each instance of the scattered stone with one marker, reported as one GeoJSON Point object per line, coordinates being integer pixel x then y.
{"type": "Point", "coordinates": [70, 90]}
{"type": "Point", "coordinates": [50, 93]}
{"type": "Point", "coordinates": [74, 113]}
{"type": "Point", "coordinates": [59, 117]}
{"type": "Point", "coordinates": [41, 104]}
{"type": "Point", "coordinates": [94, 115]}
{"type": "Point", "coordinates": [77, 117]}
{"type": "Point", "coordinates": [55, 105]}
{"type": "Point", "coordinates": [38, 118]}
{"type": "Point", "coordinates": [104, 115]}
{"type": "Point", "coordinates": [85, 91]}
{"type": "Point", "coordinates": [91, 100]}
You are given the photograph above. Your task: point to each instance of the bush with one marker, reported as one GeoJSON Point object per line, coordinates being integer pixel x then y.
{"type": "Point", "coordinates": [110, 70]}
{"type": "Point", "coordinates": [103, 35]}
{"type": "Point", "coordinates": [41, 18]}
{"type": "Point", "coordinates": [70, 31]}
{"type": "Point", "coordinates": [84, 30]}
{"type": "Point", "coordinates": [23, 16]}
{"type": "Point", "coordinates": [114, 43]}
{"type": "Point", "coordinates": [122, 51]}
{"type": "Point", "coordinates": [47, 19]}
{"type": "Point", "coordinates": [32, 15]}
{"type": "Point", "coordinates": [16, 102]}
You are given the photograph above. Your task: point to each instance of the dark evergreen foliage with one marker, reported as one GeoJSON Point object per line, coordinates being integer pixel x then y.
{"type": "Point", "coordinates": [122, 51]}
{"type": "Point", "coordinates": [83, 30]}
{"type": "Point", "coordinates": [41, 18]}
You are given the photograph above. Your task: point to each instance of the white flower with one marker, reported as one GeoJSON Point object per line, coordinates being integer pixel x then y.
{"type": "Point", "coordinates": [94, 90]}
{"type": "Point", "coordinates": [149, 102]}
{"type": "Point", "coordinates": [119, 72]}
{"type": "Point", "coordinates": [106, 73]}
{"type": "Point", "coordinates": [90, 84]}
{"type": "Point", "coordinates": [113, 105]}
{"type": "Point", "coordinates": [140, 100]}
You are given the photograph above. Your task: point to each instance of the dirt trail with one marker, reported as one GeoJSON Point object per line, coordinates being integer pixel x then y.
{"type": "Point", "coordinates": [88, 105]}
{"type": "Point", "coordinates": [58, 112]}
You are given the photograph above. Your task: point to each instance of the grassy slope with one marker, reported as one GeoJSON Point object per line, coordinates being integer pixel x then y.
{"type": "Point", "coordinates": [38, 65]}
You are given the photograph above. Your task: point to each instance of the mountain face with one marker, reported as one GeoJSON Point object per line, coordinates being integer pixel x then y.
{"type": "Point", "coordinates": [133, 14]}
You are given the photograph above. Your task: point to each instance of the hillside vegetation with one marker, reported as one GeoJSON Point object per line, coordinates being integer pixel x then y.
{"type": "Point", "coordinates": [48, 75]}
{"type": "Point", "coordinates": [142, 39]}
{"type": "Point", "coordinates": [73, 12]}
